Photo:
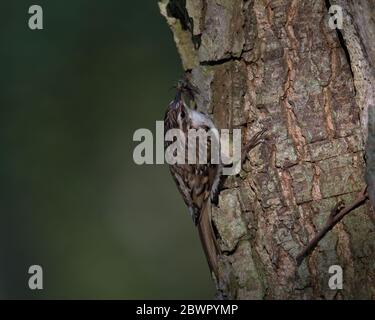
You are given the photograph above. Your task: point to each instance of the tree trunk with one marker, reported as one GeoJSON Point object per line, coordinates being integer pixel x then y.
{"type": "Point", "coordinates": [277, 64]}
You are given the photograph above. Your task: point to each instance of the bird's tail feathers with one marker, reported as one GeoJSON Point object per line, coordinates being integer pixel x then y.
{"type": "Point", "coordinates": [208, 239]}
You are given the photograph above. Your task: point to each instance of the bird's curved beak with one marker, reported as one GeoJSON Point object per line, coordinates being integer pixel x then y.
{"type": "Point", "coordinates": [177, 102]}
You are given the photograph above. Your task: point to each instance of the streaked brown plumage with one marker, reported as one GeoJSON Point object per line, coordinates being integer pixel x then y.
{"type": "Point", "coordinates": [196, 182]}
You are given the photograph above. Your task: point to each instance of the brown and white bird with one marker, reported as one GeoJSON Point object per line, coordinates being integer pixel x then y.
{"type": "Point", "coordinates": [196, 182]}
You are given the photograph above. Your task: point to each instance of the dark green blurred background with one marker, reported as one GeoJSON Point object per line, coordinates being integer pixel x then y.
{"type": "Point", "coordinates": [72, 200]}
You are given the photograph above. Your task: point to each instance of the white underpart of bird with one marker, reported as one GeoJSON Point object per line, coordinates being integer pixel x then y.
{"type": "Point", "coordinates": [199, 120]}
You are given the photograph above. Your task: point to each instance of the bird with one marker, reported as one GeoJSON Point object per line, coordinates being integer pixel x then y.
{"type": "Point", "coordinates": [198, 182]}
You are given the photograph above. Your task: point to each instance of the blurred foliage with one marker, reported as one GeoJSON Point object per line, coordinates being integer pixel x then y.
{"type": "Point", "coordinates": [72, 200]}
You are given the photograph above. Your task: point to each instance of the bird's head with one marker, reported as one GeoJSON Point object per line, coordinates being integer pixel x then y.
{"type": "Point", "coordinates": [178, 113]}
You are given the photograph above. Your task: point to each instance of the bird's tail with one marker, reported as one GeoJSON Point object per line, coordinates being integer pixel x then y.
{"type": "Point", "coordinates": [208, 239]}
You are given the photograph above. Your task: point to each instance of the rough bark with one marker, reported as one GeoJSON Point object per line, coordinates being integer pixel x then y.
{"type": "Point", "coordinates": [277, 64]}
